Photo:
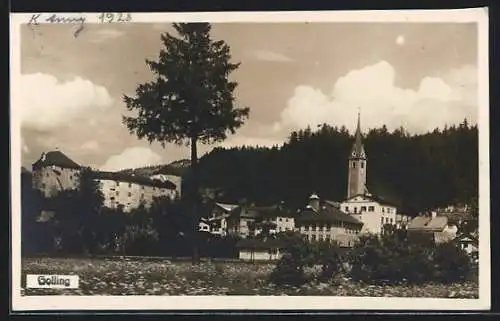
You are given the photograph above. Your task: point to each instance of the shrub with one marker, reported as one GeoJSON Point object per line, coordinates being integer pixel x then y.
{"type": "Point", "coordinates": [289, 271]}
{"type": "Point", "coordinates": [290, 268]}
{"type": "Point", "coordinates": [451, 264]}
{"type": "Point", "coordinates": [393, 259]}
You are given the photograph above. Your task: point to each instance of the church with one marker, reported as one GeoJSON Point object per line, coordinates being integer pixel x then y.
{"type": "Point", "coordinates": [374, 212]}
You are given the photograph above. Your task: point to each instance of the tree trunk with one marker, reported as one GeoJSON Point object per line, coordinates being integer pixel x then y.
{"type": "Point", "coordinates": [194, 199]}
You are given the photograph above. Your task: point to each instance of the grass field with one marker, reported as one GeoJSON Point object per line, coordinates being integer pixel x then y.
{"type": "Point", "coordinates": [162, 277]}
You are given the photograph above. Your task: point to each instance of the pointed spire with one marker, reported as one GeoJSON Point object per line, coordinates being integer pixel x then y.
{"type": "Point", "coordinates": [358, 149]}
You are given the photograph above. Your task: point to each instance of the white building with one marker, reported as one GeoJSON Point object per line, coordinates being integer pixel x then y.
{"type": "Point", "coordinates": [372, 211]}
{"type": "Point", "coordinates": [128, 191]}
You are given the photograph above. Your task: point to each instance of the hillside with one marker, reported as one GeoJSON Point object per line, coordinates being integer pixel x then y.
{"type": "Point", "coordinates": [177, 168]}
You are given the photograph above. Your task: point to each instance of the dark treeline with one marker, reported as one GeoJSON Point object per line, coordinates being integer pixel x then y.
{"type": "Point", "coordinates": [417, 172]}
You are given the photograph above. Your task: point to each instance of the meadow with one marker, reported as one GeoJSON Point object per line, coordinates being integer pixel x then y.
{"type": "Point", "coordinates": [101, 276]}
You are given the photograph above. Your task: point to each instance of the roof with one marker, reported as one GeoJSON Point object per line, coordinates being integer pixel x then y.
{"type": "Point", "coordinates": [55, 158]}
{"type": "Point", "coordinates": [227, 207]}
{"type": "Point", "coordinates": [260, 244]}
{"type": "Point", "coordinates": [374, 198]}
{"type": "Point", "coordinates": [327, 214]}
{"type": "Point", "coordinates": [332, 203]}
{"type": "Point", "coordinates": [428, 224]}
{"type": "Point", "coordinates": [358, 150]}
{"type": "Point", "coordinates": [141, 180]}
{"type": "Point", "coordinates": [467, 238]}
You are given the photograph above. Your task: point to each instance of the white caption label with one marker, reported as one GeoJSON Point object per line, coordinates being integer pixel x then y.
{"type": "Point", "coordinates": [47, 281]}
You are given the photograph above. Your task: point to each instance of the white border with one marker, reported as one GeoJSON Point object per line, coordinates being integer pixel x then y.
{"type": "Point", "coordinates": [33, 303]}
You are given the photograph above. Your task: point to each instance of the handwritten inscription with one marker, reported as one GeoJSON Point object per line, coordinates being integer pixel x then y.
{"type": "Point", "coordinates": [110, 17]}
{"type": "Point", "coordinates": [79, 21]}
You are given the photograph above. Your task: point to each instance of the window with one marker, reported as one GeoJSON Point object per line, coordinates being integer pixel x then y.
{"type": "Point", "coordinates": [129, 184]}
{"type": "Point", "coordinates": [390, 220]}
{"type": "Point", "coordinates": [47, 174]}
{"type": "Point", "coordinates": [117, 183]}
{"type": "Point", "coordinates": [142, 187]}
{"type": "Point", "coordinates": [386, 220]}
{"type": "Point", "coordinates": [353, 165]}
{"type": "Point", "coordinates": [320, 238]}
{"type": "Point", "coordinates": [313, 237]}
{"type": "Point", "coordinates": [371, 208]}
{"type": "Point", "coordinates": [279, 219]}
{"type": "Point", "coordinates": [129, 194]}
{"type": "Point", "coordinates": [43, 185]}
{"type": "Point", "coordinates": [347, 208]}
{"type": "Point", "coordinates": [117, 193]}
{"type": "Point", "coordinates": [382, 220]}
{"type": "Point", "coordinates": [383, 209]}
{"type": "Point", "coordinates": [362, 164]}
{"type": "Point", "coordinates": [71, 177]}
{"type": "Point", "coordinates": [142, 195]}
{"type": "Point", "coordinates": [363, 208]}
{"type": "Point", "coordinates": [286, 220]}
{"type": "Point", "coordinates": [355, 209]}
{"type": "Point", "coordinates": [112, 198]}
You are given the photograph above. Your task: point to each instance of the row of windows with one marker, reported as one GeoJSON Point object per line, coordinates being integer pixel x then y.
{"type": "Point", "coordinates": [280, 219]}
{"type": "Point", "coordinates": [387, 220]}
{"type": "Point", "coordinates": [318, 227]}
{"type": "Point", "coordinates": [362, 164]}
{"type": "Point", "coordinates": [369, 209]}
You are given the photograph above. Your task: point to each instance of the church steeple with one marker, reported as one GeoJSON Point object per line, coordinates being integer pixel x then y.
{"type": "Point", "coordinates": [357, 165]}
{"type": "Point", "coordinates": [358, 150]}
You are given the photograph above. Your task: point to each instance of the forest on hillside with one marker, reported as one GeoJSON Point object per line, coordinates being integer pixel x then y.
{"type": "Point", "coordinates": [417, 172]}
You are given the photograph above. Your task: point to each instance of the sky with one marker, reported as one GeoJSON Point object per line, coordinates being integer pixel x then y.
{"type": "Point", "coordinates": [292, 75]}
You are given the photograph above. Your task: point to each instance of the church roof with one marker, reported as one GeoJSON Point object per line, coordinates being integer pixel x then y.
{"type": "Point", "coordinates": [56, 158]}
{"type": "Point", "coordinates": [358, 150]}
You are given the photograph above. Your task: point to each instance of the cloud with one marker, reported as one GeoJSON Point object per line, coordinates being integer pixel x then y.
{"type": "Point", "coordinates": [47, 102]}
{"type": "Point", "coordinates": [103, 35]}
{"type": "Point", "coordinates": [437, 101]}
{"type": "Point", "coordinates": [90, 146]}
{"type": "Point", "coordinates": [132, 157]}
{"type": "Point", "coordinates": [271, 56]}
{"type": "Point", "coordinates": [400, 40]}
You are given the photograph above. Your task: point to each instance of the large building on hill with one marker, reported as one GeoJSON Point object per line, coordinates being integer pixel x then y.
{"type": "Point", "coordinates": [55, 172]}
{"type": "Point", "coordinates": [374, 211]}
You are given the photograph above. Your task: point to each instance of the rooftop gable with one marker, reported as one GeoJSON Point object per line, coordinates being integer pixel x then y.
{"type": "Point", "coordinates": [55, 158]}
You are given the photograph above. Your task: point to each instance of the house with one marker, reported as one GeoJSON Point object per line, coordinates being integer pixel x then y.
{"type": "Point", "coordinates": [433, 228]}
{"type": "Point", "coordinates": [402, 220]}
{"type": "Point", "coordinates": [54, 172]}
{"type": "Point", "coordinates": [218, 218]}
{"type": "Point", "coordinates": [373, 211]}
{"type": "Point", "coordinates": [249, 220]}
{"type": "Point", "coordinates": [259, 250]}
{"type": "Point", "coordinates": [320, 222]}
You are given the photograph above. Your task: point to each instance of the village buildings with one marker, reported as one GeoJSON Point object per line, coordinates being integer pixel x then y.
{"type": "Point", "coordinates": [55, 172]}
{"type": "Point", "coordinates": [320, 221]}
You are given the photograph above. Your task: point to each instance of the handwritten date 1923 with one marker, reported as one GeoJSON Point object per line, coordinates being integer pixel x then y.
{"type": "Point", "coordinates": [111, 17]}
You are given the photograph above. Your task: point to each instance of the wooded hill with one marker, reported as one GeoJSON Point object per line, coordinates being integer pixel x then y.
{"type": "Point", "coordinates": [418, 172]}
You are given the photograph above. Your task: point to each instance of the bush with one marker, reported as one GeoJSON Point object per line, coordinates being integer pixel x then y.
{"type": "Point", "coordinates": [290, 268]}
{"type": "Point", "coordinates": [391, 259]}
{"type": "Point", "coordinates": [451, 264]}
{"type": "Point", "coordinates": [288, 271]}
